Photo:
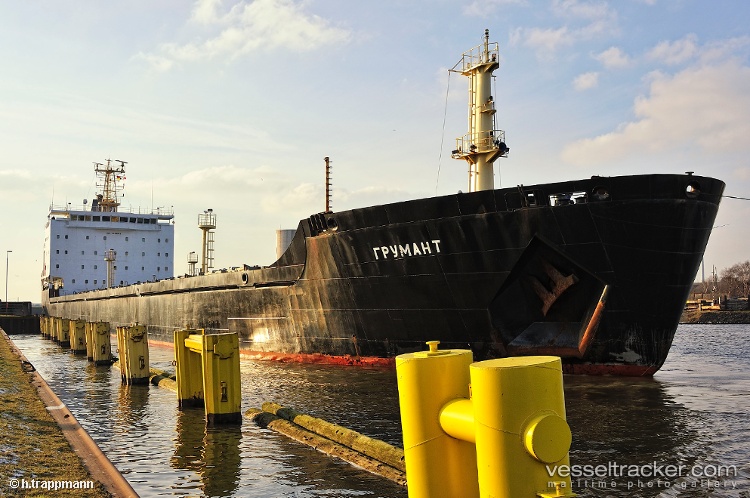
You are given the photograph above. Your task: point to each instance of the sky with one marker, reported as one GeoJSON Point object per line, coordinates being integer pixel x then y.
{"type": "Point", "coordinates": [232, 105]}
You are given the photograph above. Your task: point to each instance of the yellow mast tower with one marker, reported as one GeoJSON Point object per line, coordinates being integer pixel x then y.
{"type": "Point", "coordinates": [483, 143]}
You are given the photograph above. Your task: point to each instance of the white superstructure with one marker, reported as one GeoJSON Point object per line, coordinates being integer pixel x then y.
{"type": "Point", "coordinates": [82, 244]}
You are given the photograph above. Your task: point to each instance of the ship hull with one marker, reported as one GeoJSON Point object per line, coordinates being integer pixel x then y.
{"type": "Point", "coordinates": [595, 271]}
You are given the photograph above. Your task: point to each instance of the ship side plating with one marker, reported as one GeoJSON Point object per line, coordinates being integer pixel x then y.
{"type": "Point", "coordinates": [596, 271]}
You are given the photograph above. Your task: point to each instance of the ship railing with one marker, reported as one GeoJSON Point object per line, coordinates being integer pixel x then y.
{"type": "Point", "coordinates": [477, 143]}
{"type": "Point", "coordinates": [476, 56]}
{"type": "Point", "coordinates": [69, 207]}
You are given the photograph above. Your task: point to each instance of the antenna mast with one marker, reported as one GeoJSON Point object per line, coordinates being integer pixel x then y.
{"type": "Point", "coordinates": [483, 143]}
{"type": "Point", "coordinates": [107, 178]}
{"type": "Point", "coordinates": [328, 183]}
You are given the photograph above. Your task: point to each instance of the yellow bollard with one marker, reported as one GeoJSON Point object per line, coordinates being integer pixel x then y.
{"type": "Point", "coordinates": [89, 330]}
{"type": "Point", "coordinates": [437, 465]}
{"type": "Point", "coordinates": [188, 370]}
{"type": "Point", "coordinates": [56, 329]}
{"type": "Point", "coordinates": [208, 373]}
{"type": "Point", "coordinates": [515, 417]}
{"type": "Point", "coordinates": [78, 336]}
{"type": "Point", "coordinates": [221, 379]}
{"type": "Point", "coordinates": [132, 344]}
{"type": "Point", "coordinates": [121, 351]}
{"type": "Point", "coordinates": [101, 350]}
{"type": "Point", "coordinates": [63, 337]}
{"type": "Point", "coordinates": [520, 428]}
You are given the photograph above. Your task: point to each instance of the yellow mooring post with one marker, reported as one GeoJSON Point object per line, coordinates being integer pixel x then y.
{"type": "Point", "coordinates": [89, 330]}
{"type": "Point", "coordinates": [208, 373]}
{"type": "Point", "coordinates": [515, 416]}
{"type": "Point", "coordinates": [221, 378]}
{"type": "Point", "coordinates": [101, 348]}
{"type": "Point", "coordinates": [77, 336]}
{"type": "Point", "coordinates": [132, 344]}
{"type": "Point", "coordinates": [121, 351]}
{"type": "Point", "coordinates": [63, 336]}
{"type": "Point", "coordinates": [436, 464]}
{"type": "Point", "coordinates": [188, 370]}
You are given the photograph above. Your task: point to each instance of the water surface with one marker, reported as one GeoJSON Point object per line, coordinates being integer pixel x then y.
{"type": "Point", "coordinates": [694, 413]}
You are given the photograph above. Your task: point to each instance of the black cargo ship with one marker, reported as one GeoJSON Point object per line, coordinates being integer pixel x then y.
{"type": "Point", "coordinates": [596, 271]}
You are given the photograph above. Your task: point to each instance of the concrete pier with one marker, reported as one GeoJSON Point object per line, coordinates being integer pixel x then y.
{"type": "Point", "coordinates": [29, 425]}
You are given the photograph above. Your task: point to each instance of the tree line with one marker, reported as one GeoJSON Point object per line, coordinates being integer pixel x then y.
{"type": "Point", "coordinates": [732, 282]}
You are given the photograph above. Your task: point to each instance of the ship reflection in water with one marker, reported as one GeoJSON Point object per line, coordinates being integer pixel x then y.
{"type": "Point", "coordinates": [693, 414]}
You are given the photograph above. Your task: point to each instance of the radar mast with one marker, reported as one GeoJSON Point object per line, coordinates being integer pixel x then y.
{"type": "Point", "coordinates": [107, 177]}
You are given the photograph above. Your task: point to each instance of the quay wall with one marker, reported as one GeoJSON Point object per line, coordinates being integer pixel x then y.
{"type": "Point", "coordinates": [715, 317]}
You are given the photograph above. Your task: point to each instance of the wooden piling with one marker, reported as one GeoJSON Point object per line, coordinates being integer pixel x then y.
{"type": "Point", "coordinates": [373, 448]}
{"type": "Point", "coordinates": [298, 433]}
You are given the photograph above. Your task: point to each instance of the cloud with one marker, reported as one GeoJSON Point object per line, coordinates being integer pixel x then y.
{"type": "Point", "coordinates": [206, 11]}
{"type": "Point", "coordinates": [722, 49]}
{"type": "Point", "coordinates": [482, 8]}
{"type": "Point", "coordinates": [613, 58]}
{"type": "Point", "coordinates": [230, 188]}
{"type": "Point", "coordinates": [572, 9]}
{"type": "Point", "coordinates": [586, 81]}
{"type": "Point", "coordinates": [18, 185]}
{"type": "Point", "coordinates": [544, 41]}
{"type": "Point", "coordinates": [677, 52]}
{"type": "Point", "coordinates": [686, 50]}
{"type": "Point", "coordinates": [245, 28]}
{"type": "Point", "coordinates": [578, 9]}
{"type": "Point", "coordinates": [225, 181]}
{"type": "Point", "coordinates": [583, 21]}
{"type": "Point", "coordinates": [263, 189]}
{"type": "Point", "coordinates": [702, 109]}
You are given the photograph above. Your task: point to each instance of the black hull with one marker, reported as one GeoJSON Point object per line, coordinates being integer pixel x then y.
{"type": "Point", "coordinates": [596, 271]}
